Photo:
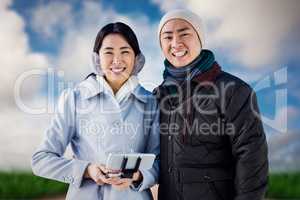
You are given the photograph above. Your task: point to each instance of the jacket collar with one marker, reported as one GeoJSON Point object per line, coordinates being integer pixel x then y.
{"type": "Point", "coordinates": [209, 75]}
{"type": "Point", "coordinates": [90, 88]}
{"type": "Point", "coordinates": [141, 94]}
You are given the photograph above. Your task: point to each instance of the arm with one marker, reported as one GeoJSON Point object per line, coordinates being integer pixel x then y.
{"type": "Point", "coordinates": [150, 177]}
{"type": "Point", "coordinates": [249, 146]}
{"type": "Point", "coordinates": [48, 160]}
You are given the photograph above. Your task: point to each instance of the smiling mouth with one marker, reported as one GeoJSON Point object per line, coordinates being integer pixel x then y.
{"type": "Point", "coordinates": [117, 70]}
{"type": "Point", "coordinates": [179, 54]}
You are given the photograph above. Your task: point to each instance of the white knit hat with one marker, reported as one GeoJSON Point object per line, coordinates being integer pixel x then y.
{"type": "Point", "coordinates": [186, 15]}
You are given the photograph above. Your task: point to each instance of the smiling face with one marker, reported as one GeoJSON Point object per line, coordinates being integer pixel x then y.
{"type": "Point", "coordinates": [116, 59]}
{"type": "Point", "coordinates": [180, 42]}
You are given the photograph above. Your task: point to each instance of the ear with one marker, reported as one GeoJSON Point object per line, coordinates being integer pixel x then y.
{"type": "Point", "coordinates": [96, 64]}
{"type": "Point", "coordinates": [138, 63]}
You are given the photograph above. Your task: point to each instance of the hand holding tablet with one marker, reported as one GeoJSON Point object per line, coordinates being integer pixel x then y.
{"type": "Point", "coordinates": [124, 165]}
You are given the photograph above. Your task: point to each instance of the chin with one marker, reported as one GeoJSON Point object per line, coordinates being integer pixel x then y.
{"type": "Point", "coordinates": [116, 80]}
{"type": "Point", "coordinates": [180, 64]}
{"type": "Point", "coordinates": [120, 77]}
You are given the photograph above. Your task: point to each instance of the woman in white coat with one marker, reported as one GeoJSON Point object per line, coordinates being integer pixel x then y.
{"type": "Point", "coordinates": [107, 112]}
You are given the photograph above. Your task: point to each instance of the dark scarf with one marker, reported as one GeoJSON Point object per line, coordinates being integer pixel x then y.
{"type": "Point", "coordinates": [201, 64]}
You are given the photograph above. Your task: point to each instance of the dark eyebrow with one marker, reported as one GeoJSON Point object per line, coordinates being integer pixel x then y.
{"type": "Point", "coordinates": [125, 48]}
{"type": "Point", "coordinates": [178, 31]}
{"type": "Point", "coordinates": [108, 48]}
{"type": "Point", "coordinates": [183, 29]}
{"type": "Point", "coordinates": [167, 32]}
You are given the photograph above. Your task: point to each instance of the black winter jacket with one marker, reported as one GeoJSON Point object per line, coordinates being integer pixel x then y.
{"type": "Point", "coordinates": [213, 145]}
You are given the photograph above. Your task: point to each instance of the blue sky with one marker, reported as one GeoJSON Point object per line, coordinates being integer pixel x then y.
{"type": "Point", "coordinates": [135, 8]}
{"type": "Point", "coordinates": [256, 41]}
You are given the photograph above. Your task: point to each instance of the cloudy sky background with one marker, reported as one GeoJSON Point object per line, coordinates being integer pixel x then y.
{"type": "Point", "coordinates": [255, 40]}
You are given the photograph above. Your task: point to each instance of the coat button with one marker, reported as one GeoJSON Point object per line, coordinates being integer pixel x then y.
{"type": "Point", "coordinates": [169, 137]}
{"type": "Point", "coordinates": [207, 177]}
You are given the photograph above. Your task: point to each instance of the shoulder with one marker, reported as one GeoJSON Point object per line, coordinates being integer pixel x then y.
{"type": "Point", "coordinates": [77, 92]}
{"type": "Point", "coordinates": [143, 90]}
{"type": "Point", "coordinates": [147, 96]}
{"type": "Point", "coordinates": [230, 82]}
{"type": "Point", "coordinates": [87, 88]}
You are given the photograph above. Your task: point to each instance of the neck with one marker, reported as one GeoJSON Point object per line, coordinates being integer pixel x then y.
{"type": "Point", "coordinates": [115, 85]}
{"type": "Point", "coordinates": [202, 63]}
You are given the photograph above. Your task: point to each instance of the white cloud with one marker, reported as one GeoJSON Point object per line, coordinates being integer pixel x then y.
{"type": "Point", "coordinates": [284, 151]}
{"type": "Point", "coordinates": [18, 129]}
{"type": "Point", "coordinates": [252, 32]}
{"type": "Point", "coordinates": [49, 20]}
{"type": "Point", "coordinates": [21, 133]}
{"type": "Point", "coordinates": [286, 117]}
{"type": "Point", "coordinates": [293, 115]}
{"type": "Point", "coordinates": [166, 5]}
{"type": "Point", "coordinates": [284, 147]}
{"type": "Point", "coordinates": [16, 56]}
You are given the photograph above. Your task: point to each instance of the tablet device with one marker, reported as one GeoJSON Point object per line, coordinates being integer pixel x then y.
{"type": "Point", "coordinates": [115, 160]}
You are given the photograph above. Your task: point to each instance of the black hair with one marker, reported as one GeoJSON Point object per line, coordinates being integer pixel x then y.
{"type": "Point", "coordinates": [118, 28]}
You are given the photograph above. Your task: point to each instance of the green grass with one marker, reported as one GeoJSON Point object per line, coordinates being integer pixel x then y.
{"type": "Point", "coordinates": [24, 185]}
{"type": "Point", "coordinates": [284, 186]}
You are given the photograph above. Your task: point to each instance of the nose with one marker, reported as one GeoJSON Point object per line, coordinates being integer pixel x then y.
{"type": "Point", "coordinates": [117, 59]}
{"type": "Point", "coordinates": [176, 42]}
